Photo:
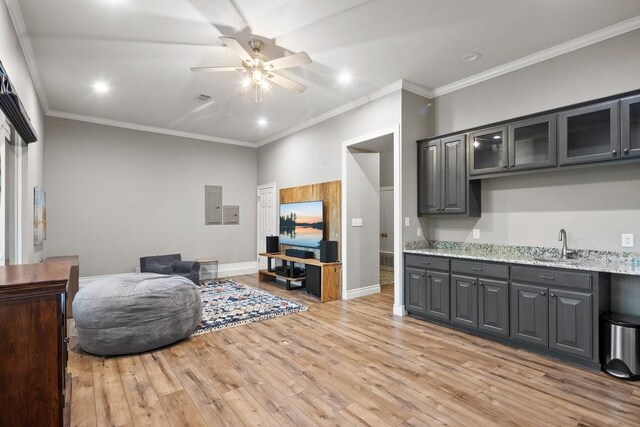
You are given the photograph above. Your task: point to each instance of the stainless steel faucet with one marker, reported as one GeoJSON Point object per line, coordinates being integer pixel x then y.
{"type": "Point", "coordinates": [564, 254]}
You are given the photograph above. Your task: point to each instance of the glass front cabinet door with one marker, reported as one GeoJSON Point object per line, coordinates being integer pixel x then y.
{"type": "Point", "coordinates": [488, 151]}
{"type": "Point", "coordinates": [589, 134]}
{"type": "Point", "coordinates": [630, 126]}
{"type": "Point", "coordinates": [532, 143]}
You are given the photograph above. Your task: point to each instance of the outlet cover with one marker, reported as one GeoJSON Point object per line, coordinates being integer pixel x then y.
{"type": "Point", "coordinates": [628, 241]}
{"type": "Point", "coordinates": [419, 232]}
{"type": "Point", "coordinates": [476, 233]}
{"type": "Point", "coordinates": [356, 222]}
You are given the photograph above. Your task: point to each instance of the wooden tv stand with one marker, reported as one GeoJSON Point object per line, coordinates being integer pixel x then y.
{"type": "Point", "coordinates": [330, 276]}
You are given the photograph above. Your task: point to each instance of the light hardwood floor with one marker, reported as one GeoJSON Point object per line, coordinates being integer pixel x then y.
{"type": "Point", "coordinates": [343, 363]}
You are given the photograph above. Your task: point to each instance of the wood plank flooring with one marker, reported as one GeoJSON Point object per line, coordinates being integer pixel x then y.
{"type": "Point", "coordinates": [343, 363]}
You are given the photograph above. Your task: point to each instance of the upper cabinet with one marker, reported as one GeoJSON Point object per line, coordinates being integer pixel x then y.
{"type": "Point", "coordinates": [630, 131]}
{"type": "Point", "coordinates": [443, 187]}
{"type": "Point", "coordinates": [488, 151]}
{"type": "Point", "coordinates": [532, 143]}
{"type": "Point", "coordinates": [589, 134]}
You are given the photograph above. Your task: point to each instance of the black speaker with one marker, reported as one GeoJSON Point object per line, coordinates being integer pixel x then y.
{"type": "Point", "coordinates": [328, 251]}
{"type": "Point", "coordinates": [273, 244]}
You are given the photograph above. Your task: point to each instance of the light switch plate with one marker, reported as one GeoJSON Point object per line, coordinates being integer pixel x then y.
{"type": "Point", "coordinates": [628, 241]}
{"type": "Point", "coordinates": [419, 232]}
{"type": "Point", "coordinates": [476, 233]}
{"type": "Point", "coordinates": [407, 222]}
{"type": "Point", "coordinates": [356, 222]}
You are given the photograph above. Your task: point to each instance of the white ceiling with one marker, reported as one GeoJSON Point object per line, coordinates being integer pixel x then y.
{"type": "Point", "coordinates": [144, 48]}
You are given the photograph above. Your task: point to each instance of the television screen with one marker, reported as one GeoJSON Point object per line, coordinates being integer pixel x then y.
{"type": "Point", "coordinates": [301, 224]}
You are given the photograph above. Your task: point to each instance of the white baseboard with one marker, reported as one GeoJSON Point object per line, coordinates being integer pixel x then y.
{"type": "Point", "coordinates": [237, 268]}
{"type": "Point", "coordinates": [360, 292]}
{"type": "Point", "coordinates": [399, 310]}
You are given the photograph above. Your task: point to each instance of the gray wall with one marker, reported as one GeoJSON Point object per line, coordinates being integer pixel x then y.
{"type": "Point", "coordinates": [595, 205]}
{"type": "Point", "coordinates": [115, 195]}
{"type": "Point", "coordinates": [33, 174]}
{"type": "Point", "coordinates": [312, 155]}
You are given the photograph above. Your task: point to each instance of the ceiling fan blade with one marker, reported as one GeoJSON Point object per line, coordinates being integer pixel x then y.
{"type": "Point", "coordinates": [295, 60]}
{"type": "Point", "coordinates": [213, 69]}
{"type": "Point", "coordinates": [286, 83]}
{"type": "Point", "coordinates": [237, 48]}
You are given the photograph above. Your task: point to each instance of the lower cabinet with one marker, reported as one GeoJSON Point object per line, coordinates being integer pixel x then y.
{"type": "Point", "coordinates": [464, 300]}
{"type": "Point", "coordinates": [493, 306]}
{"type": "Point", "coordinates": [553, 310]}
{"type": "Point", "coordinates": [529, 314]}
{"type": "Point", "coordinates": [438, 295]}
{"type": "Point", "coordinates": [570, 322]}
{"type": "Point", "coordinates": [416, 291]}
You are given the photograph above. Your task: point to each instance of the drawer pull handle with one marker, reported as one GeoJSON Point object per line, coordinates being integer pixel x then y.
{"type": "Point", "coordinates": [476, 268]}
{"type": "Point", "coordinates": [547, 277]}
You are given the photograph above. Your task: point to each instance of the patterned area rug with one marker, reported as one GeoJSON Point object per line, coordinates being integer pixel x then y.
{"type": "Point", "coordinates": [227, 303]}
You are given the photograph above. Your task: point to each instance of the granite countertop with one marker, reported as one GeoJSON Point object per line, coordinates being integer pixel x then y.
{"type": "Point", "coordinates": [600, 261]}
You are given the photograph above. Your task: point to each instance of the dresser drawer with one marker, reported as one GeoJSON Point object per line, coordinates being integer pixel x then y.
{"type": "Point", "coordinates": [426, 262]}
{"type": "Point", "coordinates": [551, 277]}
{"type": "Point", "coordinates": [480, 269]}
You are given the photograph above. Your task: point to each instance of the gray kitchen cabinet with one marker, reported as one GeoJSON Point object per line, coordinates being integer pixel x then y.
{"type": "Point", "coordinates": [416, 291]}
{"type": "Point", "coordinates": [630, 126]}
{"type": "Point", "coordinates": [464, 300]}
{"type": "Point", "coordinates": [589, 134]}
{"type": "Point", "coordinates": [438, 295]}
{"type": "Point", "coordinates": [443, 188]}
{"type": "Point", "coordinates": [493, 306]}
{"type": "Point", "coordinates": [570, 327]}
{"type": "Point", "coordinates": [529, 314]}
{"type": "Point", "coordinates": [532, 143]}
{"type": "Point", "coordinates": [488, 151]}
{"type": "Point", "coordinates": [429, 177]}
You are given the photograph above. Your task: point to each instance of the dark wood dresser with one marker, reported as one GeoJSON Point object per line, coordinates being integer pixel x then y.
{"type": "Point", "coordinates": [35, 389]}
{"type": "Point", "coordinates": [74, 277]}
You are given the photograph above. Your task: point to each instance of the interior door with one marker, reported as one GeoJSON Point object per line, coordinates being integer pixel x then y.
{"type": "Point", "coordinates": [386, 220]}
{"type": "Point", "coordinates": [267, 218]}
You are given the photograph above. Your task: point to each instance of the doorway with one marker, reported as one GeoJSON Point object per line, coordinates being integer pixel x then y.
{"type": "Point", "coordinates": [372, 238]}
{"type": "Point", "coordinates": [267, 219]}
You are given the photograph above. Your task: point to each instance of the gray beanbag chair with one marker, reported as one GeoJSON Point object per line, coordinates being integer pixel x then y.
{"type": "Point", "coordinates": [133, 313]}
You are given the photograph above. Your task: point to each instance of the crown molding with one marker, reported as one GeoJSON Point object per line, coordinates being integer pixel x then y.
{"type": "Point", "coordinates": [393, 87]}
{"type": "Point", "coordinates": [27, 50]}
{"type": "Point", "coordinates": [417, 89]}
{"type": "Point", "coordinates": [561, 49]}
{"type": "Point", "coordinates": [144, 128]}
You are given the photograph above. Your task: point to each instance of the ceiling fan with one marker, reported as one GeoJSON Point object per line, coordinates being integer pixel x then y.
{"type": "Point", "coordinates": [259, 69]}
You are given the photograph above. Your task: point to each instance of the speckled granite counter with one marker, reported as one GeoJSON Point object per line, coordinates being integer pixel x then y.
{"type": "Point", "coordinates": [602, 261]}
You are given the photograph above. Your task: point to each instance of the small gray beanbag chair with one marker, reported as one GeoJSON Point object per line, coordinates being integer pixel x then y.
{"type": "Point", "coordinates": [134, 313]}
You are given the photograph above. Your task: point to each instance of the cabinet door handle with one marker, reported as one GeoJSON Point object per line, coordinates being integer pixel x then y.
{"type": "Point", "coordinates": [542, 293]}
{"type": "Point", "coordinates": [552, 295]}
{"type": "Point", "coordinates": [476, 268]}
{"type": "Point", "coordinates": [547, 277]}
{"type": "Point", "coordinates": [480, 283]}
{"type": "Point", "coordinates": [422, 274]}
{"type": "Point", "coordinates": [614, 152]}
{"type": "Point", "coordinates": [626, 151]}
{"type": "Point", "coordinates": [66, 340]}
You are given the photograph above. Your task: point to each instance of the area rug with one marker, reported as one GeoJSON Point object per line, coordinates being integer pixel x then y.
{"type": "Point", "coordinates": [227, 303]}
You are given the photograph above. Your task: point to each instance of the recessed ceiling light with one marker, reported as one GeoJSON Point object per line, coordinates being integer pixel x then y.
{"type": "Point", "coordinates": [472, 56]}
{"type": "Point", "coordinates": [262, 121]}
{"type": "Point", "coordinates": [101, 87]}
{"type": "Point", "coordinates": [345, 77]}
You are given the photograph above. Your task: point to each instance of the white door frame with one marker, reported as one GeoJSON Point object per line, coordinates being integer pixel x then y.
{"type": "Point", "coordinates": [276, 204]}
{"type": "Point", "coordinates": [398, 304]}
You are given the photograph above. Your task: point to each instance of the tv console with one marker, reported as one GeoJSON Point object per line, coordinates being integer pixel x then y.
{"type": "Point", "coordinates": [330, 274]}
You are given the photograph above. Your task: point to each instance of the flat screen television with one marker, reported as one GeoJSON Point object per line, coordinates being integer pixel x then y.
{"type": "Point", "coordinates": [301, 224]}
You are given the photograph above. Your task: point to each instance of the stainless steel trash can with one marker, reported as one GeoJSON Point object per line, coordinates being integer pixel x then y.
{"type": "Point", "coordinates": [621, 345]}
